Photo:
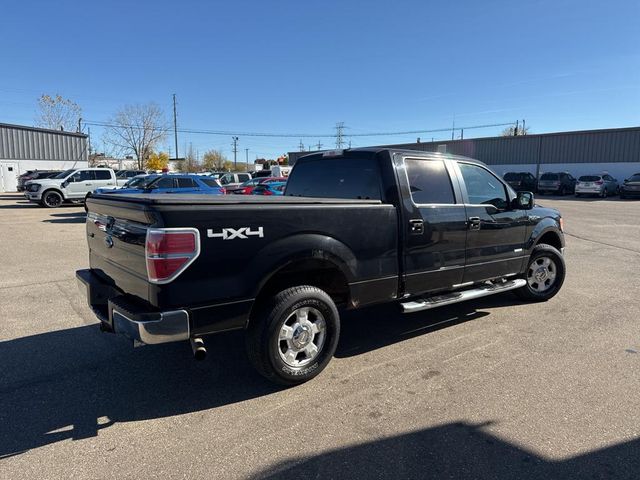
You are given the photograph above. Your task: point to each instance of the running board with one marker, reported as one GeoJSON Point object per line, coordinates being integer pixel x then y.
{"type": "Point", "coordinates": [463, 296]}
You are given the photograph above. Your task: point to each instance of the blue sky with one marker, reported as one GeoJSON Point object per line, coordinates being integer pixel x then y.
{"type": "Point", "coordinates": [302, 66]}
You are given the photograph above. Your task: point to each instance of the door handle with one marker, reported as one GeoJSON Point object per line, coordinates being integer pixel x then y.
{"type": "Point", "coordinates": [473, 223]}
{"type": "Point", "coordinates": [416, 227]}
{"type": "Point", "coordinates": [87, 184]}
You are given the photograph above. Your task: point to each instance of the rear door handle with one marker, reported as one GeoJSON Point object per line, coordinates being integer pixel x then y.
{"type": "Point", "coordinates": [416, 227]}
{"type": "Point", "coordinates": [474, 223]}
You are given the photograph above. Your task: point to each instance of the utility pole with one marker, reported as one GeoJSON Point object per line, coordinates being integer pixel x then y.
{"type": "Point", "coordinates": [175, 124]}
{"type": "Point", "coordinates": [453, 128]}
{"type": "Point", "coordinates": [319, 145]}
{"type": "Point", "coordinates": [524, 130]}
{"type": "Point", "coordinates": [301, 146]}
{"type": "Point", "coordinates": [79, 125]}
{"type": "Point", "coordinates": [339, 135]}
{"type": "Point", "coordinates": [235, 152]}
{"type": "Point", "coordinates": [515, 132]}
{"type": "Point", "coordinates": [246, 157]}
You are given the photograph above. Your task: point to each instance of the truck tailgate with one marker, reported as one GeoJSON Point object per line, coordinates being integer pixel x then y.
{"type": "Point", "coordinates": [116, 233]}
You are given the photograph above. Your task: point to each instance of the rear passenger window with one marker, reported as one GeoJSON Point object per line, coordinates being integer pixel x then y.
{"type": "Point", "coordinates": [336, 178]}
{"type": "Point", "coordinates": [429, 181]}
{"type": "Point", "coordinates": [186, 183]}
{"type": "Point", "coordinates": [103, 175]}
{"type": "Point", "coordinates": [243, 177]}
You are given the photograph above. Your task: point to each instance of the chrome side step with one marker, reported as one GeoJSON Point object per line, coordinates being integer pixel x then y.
{"type": "Point", "coordinates": [463, 296]}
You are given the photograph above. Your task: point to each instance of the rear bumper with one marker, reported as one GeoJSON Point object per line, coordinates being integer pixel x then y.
{"type": "Point", "coordinates": [121, 314]}
{"type": "Point", "coordinates": [630, 193]}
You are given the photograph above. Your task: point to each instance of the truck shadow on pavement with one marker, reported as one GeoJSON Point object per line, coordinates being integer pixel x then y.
{"type": "Point", "coordinates": [456, 450]}
{"type": "Point", "coordinates": [69, 384]}
{"type": "Point", "coordinates": [70, 217]}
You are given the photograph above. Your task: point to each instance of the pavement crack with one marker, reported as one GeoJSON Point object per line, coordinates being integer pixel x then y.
{"type": "Point", "coordinates": [602, 243]}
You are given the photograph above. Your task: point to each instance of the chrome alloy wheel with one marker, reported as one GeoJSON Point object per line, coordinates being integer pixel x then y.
{"type": "Point", "coordinates": [541, 274]}
{"type": "Point", "coordinates": [301, 337]}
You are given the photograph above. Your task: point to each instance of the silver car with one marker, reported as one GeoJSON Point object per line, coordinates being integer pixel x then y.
{"type": "Point", "coordinates": [600, 185]}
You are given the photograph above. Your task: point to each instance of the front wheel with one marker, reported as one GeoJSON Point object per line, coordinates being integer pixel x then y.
{"type": "Point", "coordinates": [544, 275]}
{"type": "Point", "coordinates": [292, 337]}
{"type": "Point", "coordinates": [52, 199]}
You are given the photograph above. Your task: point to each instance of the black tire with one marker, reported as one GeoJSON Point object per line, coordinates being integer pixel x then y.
{"type": "Point", "coordinates": [263, 338]}
{"type": "Point", "coordinates": [604, 193]}
{"type": "Point", "coordinates": [532, 293]}
{"type": "Point", "coordinates": [52, 199]}
{"type": "Point", "coordinates": [562, 192]}
{"type": "Point", "coordinates": [84, 203]}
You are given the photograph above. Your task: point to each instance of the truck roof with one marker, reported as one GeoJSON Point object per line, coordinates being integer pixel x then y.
{"type": "Point", "coordinates": [366, 151]}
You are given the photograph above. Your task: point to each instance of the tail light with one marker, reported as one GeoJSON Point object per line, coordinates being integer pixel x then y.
{"type": "Point", "coordinates": [267, 192]}
{"type": "Point", "coordinates": [599, 182]}
{"type": "Point", "coordinates": [169, 251]}
{"type": "Point", "coordinates": [223, 190]}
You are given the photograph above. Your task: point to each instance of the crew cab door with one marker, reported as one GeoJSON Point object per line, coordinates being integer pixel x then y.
{"type": "Point", "coordinates": [81, 183]}
{"type": "Point", "coordinates": [495, 230]}
{"type": "Point", "coordinates": [433, 224]}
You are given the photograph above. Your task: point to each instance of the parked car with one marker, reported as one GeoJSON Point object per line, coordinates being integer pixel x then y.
{"type": "Point", "coordinates": [560, 183]}
{"type": "Point", "coordinates": [171, 183]}
{"type": "Point", "coordinates": [34, 175]}
{"type": "Point", "coordinates": [601, 185]}
{"type": "Point", "coordinates": [521, 181]}
{"type": "Point", "coordinates": [272, 188]}
{"type": "Point", "coordinates": [231, 179]}
{"type": "Point", "coordinates": [163, 269]}
{"type": "Point", "coordinates": [264, 173]}
{"type": "Point", "coordinates": [123, 176]}
{"type": "Point", "coordinates": [247, 187]}
{"type": "Point", "coordinates": [72, 185]}
{"type": "Point", "coordinates": [631, 187]}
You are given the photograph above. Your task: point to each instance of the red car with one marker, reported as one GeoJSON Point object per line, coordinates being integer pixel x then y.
{"type": "Point", "coordinates": [247, 187]}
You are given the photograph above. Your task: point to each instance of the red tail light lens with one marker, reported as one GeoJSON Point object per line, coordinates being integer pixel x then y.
{"type": "Point", "coordinates": [169, 251]}
{"type": "Point", "coordinates": [267, 192]}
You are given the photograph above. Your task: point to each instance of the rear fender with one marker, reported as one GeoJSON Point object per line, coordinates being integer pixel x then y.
{"type": "Point", "coordinates": [307, 246]}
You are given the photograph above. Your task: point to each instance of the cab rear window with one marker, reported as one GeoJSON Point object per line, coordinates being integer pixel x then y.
{"type": "Point", "coordinates": [352, 178]}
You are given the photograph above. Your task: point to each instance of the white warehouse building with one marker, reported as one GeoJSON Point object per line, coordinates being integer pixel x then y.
{"type": "Point", "coordinates": [25, 148]}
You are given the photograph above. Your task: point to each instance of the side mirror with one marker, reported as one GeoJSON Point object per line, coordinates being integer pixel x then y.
{"type": "Point", "coordinates": [64, 184]}
{"type": "Point", "coordinates": [524, 200]}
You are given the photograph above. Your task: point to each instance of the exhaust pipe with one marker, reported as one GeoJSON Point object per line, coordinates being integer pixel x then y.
{"type": "Point", "coordinates": [199, 350]}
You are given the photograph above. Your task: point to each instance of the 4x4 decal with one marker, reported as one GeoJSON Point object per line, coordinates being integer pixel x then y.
{"type": "Point", "coordinates": [233, 233]}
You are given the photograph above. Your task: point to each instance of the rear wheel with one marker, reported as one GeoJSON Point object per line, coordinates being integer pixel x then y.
{"type": "Point", "coordinates": [603, 194]}
{"type": "Point", "coordinates": [292, 338]}
{"type": "Point", "coordinates": [544, 275]}
{"type": "Point", "coordinates": [52, 199]}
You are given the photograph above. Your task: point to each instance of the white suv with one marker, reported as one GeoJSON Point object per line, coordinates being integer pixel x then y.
{"type": "Point", "coordinates": [70, 185]}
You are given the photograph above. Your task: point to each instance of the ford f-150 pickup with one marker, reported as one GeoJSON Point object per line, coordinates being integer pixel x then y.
{"type": "Point", "coordinates": [354, 228]}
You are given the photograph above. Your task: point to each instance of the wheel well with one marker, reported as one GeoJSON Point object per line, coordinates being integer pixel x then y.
{"type": "Point", "coordinates": [317, 273]}
{"type": "Point", "coordinates": [52, 189]}
{"type": "Point", "coordinates": [550, 238]}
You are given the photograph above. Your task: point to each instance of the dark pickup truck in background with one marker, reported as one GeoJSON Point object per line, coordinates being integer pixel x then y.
{"type": "Point", "coordinates": [355, 228]}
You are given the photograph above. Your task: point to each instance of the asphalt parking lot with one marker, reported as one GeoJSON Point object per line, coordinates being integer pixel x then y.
{"type": "Point", "coordinates": [489, 389]}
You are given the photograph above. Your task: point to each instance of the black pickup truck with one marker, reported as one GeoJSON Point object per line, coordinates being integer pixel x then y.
{"type": "Point", "coordinates": [354, 228]}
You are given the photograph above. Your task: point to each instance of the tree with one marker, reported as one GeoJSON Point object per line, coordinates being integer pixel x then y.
{"type": "Point", "coordinates": [158, 161]}
{"type": "Point", "coordinates": [214, 160]}
{"type": "Point", "coordinates": [191, 164]}
{"type": "Point", "coordinates": [58, 113]}
{"type": "Point", "coordinates": [511, 131]}
{"type": "Point", "coordinates": [137, 130]}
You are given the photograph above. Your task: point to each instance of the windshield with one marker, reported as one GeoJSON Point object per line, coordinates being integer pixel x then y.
{"type": "Point", "coordinates": [549, 176]}
{"type": "Point", "coordinates": [136, 182]}
{"type": "Point", "coordinates": [634, 178]}
{"type": "Point", "coordinates": [66, 173]}
{"type": "Point", "coordinates": [589, 178]}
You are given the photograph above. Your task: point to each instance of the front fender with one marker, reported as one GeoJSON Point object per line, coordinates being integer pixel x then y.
{"type": "Point", "coordinates": [544, 226]}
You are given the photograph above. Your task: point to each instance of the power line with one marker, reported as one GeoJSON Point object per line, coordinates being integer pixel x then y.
{"type": "Point", "coordinates": [296, 135]}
